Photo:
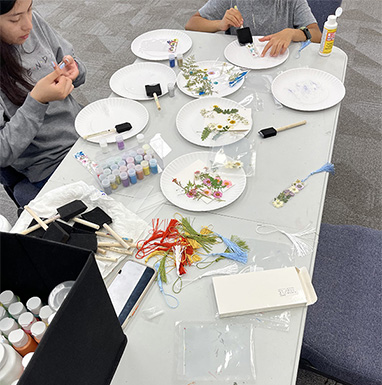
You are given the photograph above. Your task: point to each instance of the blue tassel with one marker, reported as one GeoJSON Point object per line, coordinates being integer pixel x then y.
{"type": "Point", "coordinates": [237, 253]}
{"type": "Point", "coordinates": [327, 167]}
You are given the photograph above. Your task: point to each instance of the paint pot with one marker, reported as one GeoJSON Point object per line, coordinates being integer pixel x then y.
{"type": "Point", "coordinates": [122, 169]}
{"type": "Point", "coordinates": [22, 342]}
{"type": "Point", "coordinates": [132, 175]}
{"type": "Point", "coordinates": [7, 325]}
{"type": "Point", "coordinates": [145, 167]}
{"type": "Point", "coordinates": [121, 163]}
{"type": "Point", "coordinates": [130, 166]}
{"type": "Point", "coordinates": [7, 297]}
{"type": "Point", "coordinates": [106, 186]}
{"type": "Point", "coordinates": [103, 145]}
{"type": "Point", "coordinates": [171, 59]}
{"type": "Point", "coordinates": [44, 313]}
{"type": "Point", "coordinates": [116, 173]}
{"type": "Point", "coordinates": [34, 304]}
{"type": "Point", "coordinates": [140, 151]}
{"type": "Point", "coordinates": [139, 171]}
{"type": "Point", "coordinates": [146, 147]}
{"type": "Point", "coordinates": [140, 138]}
{"type": "Point", "coordinates": [120, 142]}
{"type": "Point", "coordinates": [130, 159]}
{"type": "Point", "coordinates": [124, 179]}
{"type": "Point", "coordinates": [106, 171]}
{"type": "Point", "coordinates": [16, 309]}
{"type": "Point", "coordinates": [138, 159]}
{"type": "Point", "coordinates": [153, 166]}
{"type": "Point", "coordinates": [26, 320]}
{"type": "Point", "coordinates": [38, 330]}
{"type": "Point", "coordinates": [113, 182]}
{"type": "Point", "coordinates": [179, 59]}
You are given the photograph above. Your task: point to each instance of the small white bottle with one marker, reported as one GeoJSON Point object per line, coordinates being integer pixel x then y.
{"type": "Point", "coordinates": [3, 313]}
{"type": "Point", "coordinates": [7, 297]}
{"type": "Point", "coordinates": [329, 33]}
{"type": "Point", "coordinates": [7, 325]}
{"type": "Point", "coordinates": [45, 312]}
{"type": "Point", "coordinates": [38, 330]}
{"type": "Point", "coordinates": [34, 305]}
{"type": "Point", "coordinates": [11, 367]}
{"type": "Point", "coordinates": [26, 359]}
{"type": "Point", "coordinates": [26, 320]}
{"type": "Point", "coordinates": [16, 309]}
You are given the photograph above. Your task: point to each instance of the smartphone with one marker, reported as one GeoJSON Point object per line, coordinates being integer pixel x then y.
{"type": "Point", "coordinates": [129, 287]}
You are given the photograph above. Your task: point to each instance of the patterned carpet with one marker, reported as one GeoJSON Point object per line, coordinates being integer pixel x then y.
{"type": "Point", "coordinates": [102, 31]}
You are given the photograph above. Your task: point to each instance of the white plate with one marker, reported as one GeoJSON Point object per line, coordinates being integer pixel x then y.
{"type": "Point", "coordinates": [104, 114]}
{"type": "Point", "coordinates": [130, 81]}
{"type": "Point", "coordinates": [153, 45]}
{"type": "Point", "coordinates": [171, 191]}
{"type": "Point", "coordinates": [221, 89]}
{"type": "Point", "coordinates": [190, 122]}
{"type": "Point", "coordinates": [307, 89]}
{"type": "Point", "coordinates": [239, 55]}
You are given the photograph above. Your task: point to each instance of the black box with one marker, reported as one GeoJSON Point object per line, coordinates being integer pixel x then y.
{"type": "Point", "coordinates": [84, 343]}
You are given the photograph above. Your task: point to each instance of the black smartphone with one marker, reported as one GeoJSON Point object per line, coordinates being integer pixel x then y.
{"type": "Point", "coordinates": [129, 287]}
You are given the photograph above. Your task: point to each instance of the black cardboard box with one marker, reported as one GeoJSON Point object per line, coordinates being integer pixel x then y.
{"type": "Point", "coordinates": [84, 343]}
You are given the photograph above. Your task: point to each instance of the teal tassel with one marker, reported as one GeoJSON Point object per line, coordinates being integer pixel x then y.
{"type": "Point", "coordinates": [327, 167]}
{"type": "Point", "coordinates": [237, 253]}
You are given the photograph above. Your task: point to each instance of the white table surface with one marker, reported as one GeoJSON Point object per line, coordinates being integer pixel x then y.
{"type": "Point", "coordinates": [150, 355]}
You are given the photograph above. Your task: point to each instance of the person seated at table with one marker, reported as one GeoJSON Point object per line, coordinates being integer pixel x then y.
{"type": "Point", "coordinates": [37, 112]}
{"type": "Point", "coordinates": [279, 21]}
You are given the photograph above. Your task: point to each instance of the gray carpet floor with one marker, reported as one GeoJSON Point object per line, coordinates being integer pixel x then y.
{"type": "Point", "coordinates": [102, 31]}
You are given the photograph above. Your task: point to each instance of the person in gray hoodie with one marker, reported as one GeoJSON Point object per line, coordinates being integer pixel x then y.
{"type": "Point", "coordinates": [37, 112]}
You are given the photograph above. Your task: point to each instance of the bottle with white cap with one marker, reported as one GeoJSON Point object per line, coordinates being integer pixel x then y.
{"type": "Point", "coordinates": [25, 361]}
{"type": "Point", "coordinates": [7, 297]}
{"type": "Point", "coordinates": [15, 382]}
{"type": "Point", "coordinates": [50, 319]}
{"type": "Point", "coordinates": [16, 309]}
{"type": "Point", "coordinates": [22, 342]}
{"type": "Point", "coordinates": [38, 330]}
{"type": "Point", "coordinates": [7, 325]}
{"type": "Point", "coordinates": [329, 33]}
{"type": "Point", "coordinates": [34, 305]}
{"type": "Point", "coordinates": [140, 138]}
{"type": "Point", "coordinates": [3, 313]}
{"type": "Point", "coordinates": [11, 367]}
{"type": "Point", "coordinates": [44, 313]}
{"type": "Point", "coordinates": [26, 320]}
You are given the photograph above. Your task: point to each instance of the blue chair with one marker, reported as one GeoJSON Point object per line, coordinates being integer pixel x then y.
{"type": "Point", "coordinates": [17, 186]}
{"type": "Point", "coordinates": [321, 9]}
{"type": "Point", "coordinates": [342, 338]}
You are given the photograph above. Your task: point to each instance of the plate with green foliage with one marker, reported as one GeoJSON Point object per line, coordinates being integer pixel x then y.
{"type": "Point", "coordinates": [195, 121]}
{"type": "Point", "coordinates": [209, 78]}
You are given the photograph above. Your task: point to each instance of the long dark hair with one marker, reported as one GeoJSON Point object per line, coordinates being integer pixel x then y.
{"type": "Point", "coordinates": [14, 80]}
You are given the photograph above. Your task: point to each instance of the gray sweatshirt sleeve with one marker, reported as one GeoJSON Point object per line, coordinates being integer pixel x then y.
{"type": "Point", "coordinates": [60, 47]}
{"type": "Point", "coordinates": [18, 133]}
{"type": "Point", "coordinates": [215, 9]}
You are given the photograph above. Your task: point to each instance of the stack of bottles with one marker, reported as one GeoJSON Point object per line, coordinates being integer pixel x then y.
{"type": "Point", "coordinates": [22, 326]}
{"type": "Point", "coordinates": [128, 167]}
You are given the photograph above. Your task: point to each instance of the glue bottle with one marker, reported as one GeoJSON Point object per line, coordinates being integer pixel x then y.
{"type": "Point", "coordinates": [329, 33]}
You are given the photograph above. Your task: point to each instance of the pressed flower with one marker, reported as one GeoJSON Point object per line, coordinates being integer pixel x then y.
{"type": "Point", "coordinates": [215, 106]}
{"type": "Point", "coordinates": [288, 193]}
{"type": "Point", "coordinates": [232, 121]}
{"type": "Point", "coordinates": [299, 186]}
{"type": "Point", "coordinates": [220, 126]}
{"type": "Point", "coordinates": [207, 192]}
{"type": "Point", "coordinates": [227, 183]}
{"type": "Point", "coordinates": [218, 194]}
{"type": "Point", "coordinates": [294, 189]}
{"type": "Point", "coordinates": [207, 182]}
{"type": "Point", "coordinates": [277, 203]}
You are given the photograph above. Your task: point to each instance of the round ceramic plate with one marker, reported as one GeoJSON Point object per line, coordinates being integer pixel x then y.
{"type": "Point", "coordinates": [217, 73]}
{"type": "Point", "coordinates": [241, 56]}
{"type": "Point", "coordinates": [130, 81]}
{"type": "Point", "coordinates": [105, 114]}
{"type": "Point", "coordinates": [153, 45]}
{"type": "Point", "coordinates": [307, 89]}
{"type": "Point", "coordinates": [172, 192]}
{"type": "Point", "coordinates": [190, 122]}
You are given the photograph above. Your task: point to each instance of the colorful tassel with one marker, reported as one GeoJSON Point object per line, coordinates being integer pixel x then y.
{"type": "Point", "coordinates": [165, 295]}
{"type": "Point", "coordinates": [327, 167]}
{"type": "Point", "coordinates": [236, 252]}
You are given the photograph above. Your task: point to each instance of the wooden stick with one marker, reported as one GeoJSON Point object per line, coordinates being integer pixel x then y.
{"type": "Point", "coordinates": [101, 251]}
{"type": "Point", "coordinates": [37, 225]}
{"type": "Point", "coordinates": [120, 251]}
{"type": "Point", "coordinates": [36, 217]}
{"type": "Point", "coordinates": [85, 223]}
{"type": "Point", "coordinates": [108, 244]}
{"type": "Point", "coordinates": [116, 236]}
{"type": "Point", "coordinates": [291, 126]}
{"type": "Point", "coordinates": [129, 241]}
{"type": "Point", "coordinates": [112, 130]}
{"type": "Point", "coordinates": [157, 101]}
{"type": "Point", "coordinates": [107, 259]}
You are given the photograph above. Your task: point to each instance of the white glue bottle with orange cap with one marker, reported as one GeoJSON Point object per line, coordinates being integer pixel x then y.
{"type": "Point", "coordinates": [329, 33]}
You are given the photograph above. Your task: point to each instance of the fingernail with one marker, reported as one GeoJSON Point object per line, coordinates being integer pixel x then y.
{"type": "Point", "coordinates": [62, 65]}
{"type": "Point", "coordinates": [53, 64]}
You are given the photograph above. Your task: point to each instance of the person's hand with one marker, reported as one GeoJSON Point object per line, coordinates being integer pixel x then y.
{"type": "Point", "coordinates": [52, 87]}
{"type": "Point", "coordinates": [70, 69]}
{"type": "Point", "coordinates": [232, 18]}
{"type": "Point", "coordinates": [277, 42]}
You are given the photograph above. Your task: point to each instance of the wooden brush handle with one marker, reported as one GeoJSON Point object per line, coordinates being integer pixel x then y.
{"type": "Point", "coordinates": [37, 225]}
{"type": "Point", "coordinates": [291, 126]}
{"type": "Point", "coordinates": [106, 259]}
{"type": "Point", "coordinates": [86, 223]}
{"type": "Point", "coordinates": [116, 236]}
{"type": "Point", "coordinates": [36, 217]}
{"type": "Point", "coordinates": [157, 101]}
{"type": "Point", "coordinates": [99, 133]}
